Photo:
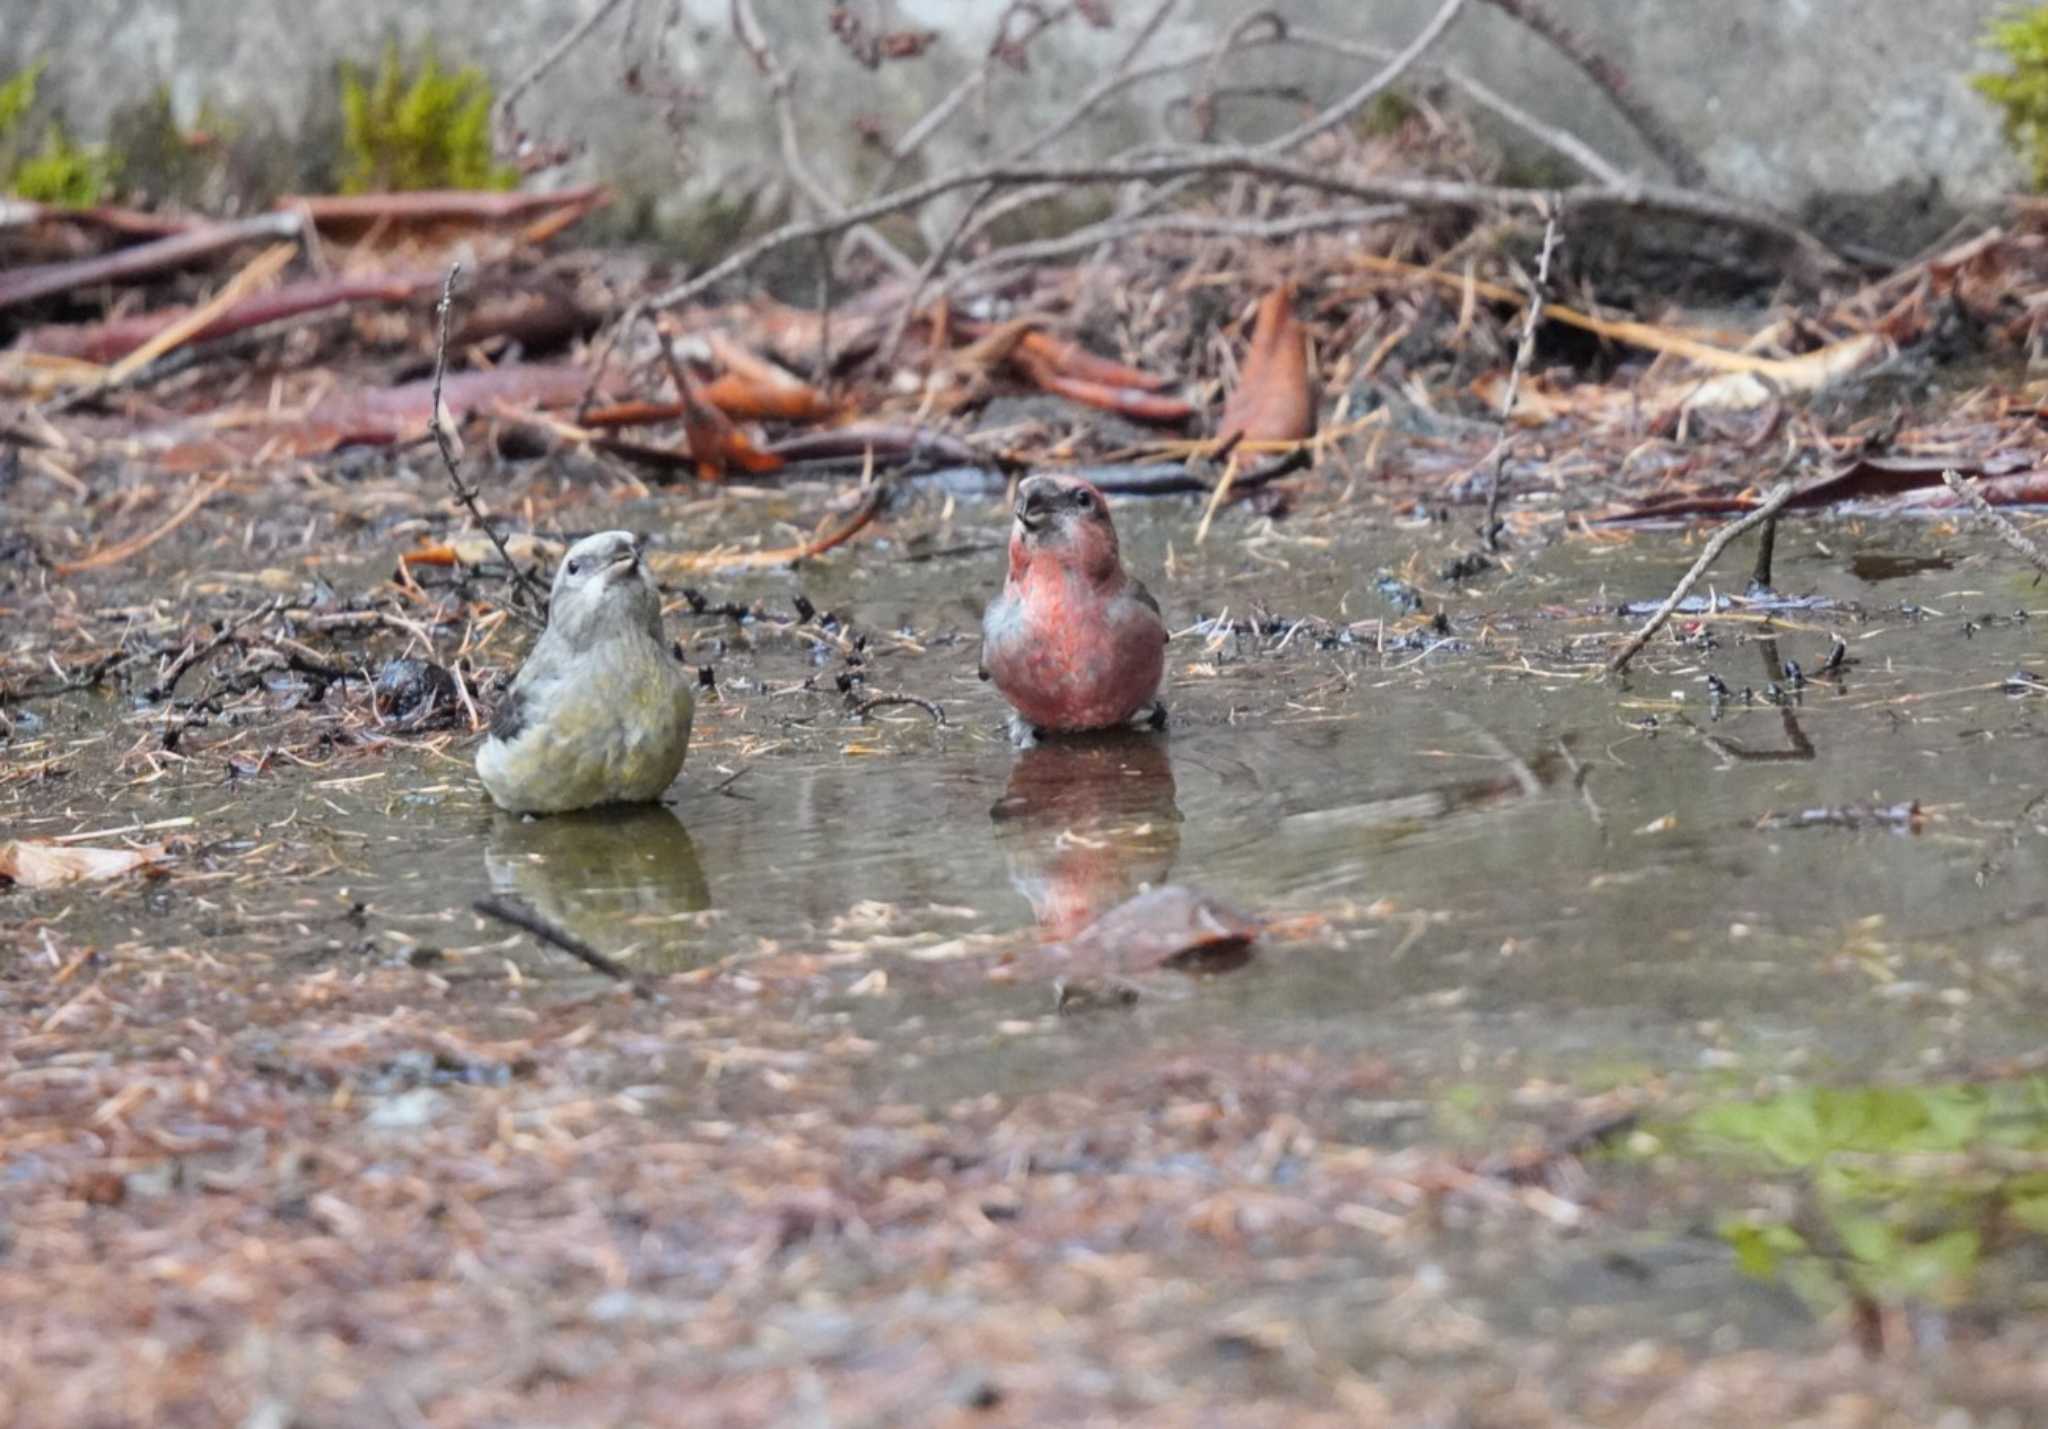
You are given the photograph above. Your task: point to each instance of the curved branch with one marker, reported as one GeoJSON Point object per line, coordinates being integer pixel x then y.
{"type": "Point", "coordinates": [1428, 193]}
{"type": "Point", "coordinates": [1648, 124]}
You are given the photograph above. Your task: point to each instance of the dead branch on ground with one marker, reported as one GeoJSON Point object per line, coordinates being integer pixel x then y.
{"type": "Point", "coordinates": [2001, 526]}
{"type": "Point", "coordinates": [1764, 511]}
{"type": "Point", "coordinates": [1525, 351]}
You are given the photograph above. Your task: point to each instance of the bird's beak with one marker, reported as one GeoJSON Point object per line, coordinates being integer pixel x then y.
{"type": "Point", "coordinates": [624, 563]}
{"type": "Point", "coordinates": [1032, 512]}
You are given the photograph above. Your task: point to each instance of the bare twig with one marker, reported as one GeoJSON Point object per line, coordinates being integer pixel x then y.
{"type": "Point", "coordinates": [1603, 72]}
{"type": "Point", "coordinates": [822, 374]}
{"type": "Point", "coordinates": [1119, 75]}
{"type": "Point", "coordinates": [1764, 511]}
{"type": "Point", "coordinates": [511, 910]}
{"type": "Point", "coordinates": [1245, 36]}
{"type": "Point", "coordinates": [965, 223]}
{"type": "Point", "coordinates": [876, 702]}
{"type": "Point", "coordinates": [165, 686]}
{"type": "Point", "coordinates": [2001, 525]}
{"type": "Point", "coordinates": [1219, 160]}
{"type": "Point", "coordinates": [1246, 31]}
{"type": "Point", "coordinates": [1525, 351]}
{"type": "Point", "coordinates": [1002, 48]}
{"type": "Point", "coordinates": [444, 441]}
{"type": "Point", "coordinates": [1766, 551]}
{"type": "Point", "coordinates": [1116, 230]}
{"type": "Point", "coordinates": [1364, 94]}
{"type": "Point", "coordinates": [502, 112]}
{"type": "Point", "coordinates": [746, 29]}
{"type": "Point", "coordinates": [202, 492]}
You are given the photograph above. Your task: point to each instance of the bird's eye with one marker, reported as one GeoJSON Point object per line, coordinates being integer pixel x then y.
{"type": "Point", "coordinates": [1084, 499]}
{"type": "Point", "coordinates": [575, 568]}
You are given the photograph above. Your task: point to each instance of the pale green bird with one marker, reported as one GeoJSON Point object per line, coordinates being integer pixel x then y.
{"type": "Point", "coordinates": [600, 712]}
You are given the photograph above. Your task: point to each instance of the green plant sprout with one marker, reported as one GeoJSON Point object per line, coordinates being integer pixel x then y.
{"type": "Point", "coordinates": [59, 171]}
{"type": "Point", "coordinates": [1905, 1188]}
{"type": "Point", "coordinates": [2022, 93]}
{"type": "Point", "coordinates": [427, 130]}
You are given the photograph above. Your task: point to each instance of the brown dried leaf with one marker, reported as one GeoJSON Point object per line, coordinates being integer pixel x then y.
{"type": "Point", "coordinates": [35, 863]}
{"type": "Point", "coordinates": [1172, 926]}
{"type": "Point", "coordinates": [1273, 402]}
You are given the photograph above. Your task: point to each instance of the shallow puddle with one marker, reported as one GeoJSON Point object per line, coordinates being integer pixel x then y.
{"type": "Point", "coordinates": [1501, 872]}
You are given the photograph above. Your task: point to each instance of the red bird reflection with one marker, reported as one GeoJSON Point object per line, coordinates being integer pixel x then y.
{"type": "Point", "coordinates": [1085, 823]}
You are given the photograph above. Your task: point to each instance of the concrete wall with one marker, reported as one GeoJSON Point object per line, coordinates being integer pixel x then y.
{"type": "Point", "coordinates": [1789, 102]}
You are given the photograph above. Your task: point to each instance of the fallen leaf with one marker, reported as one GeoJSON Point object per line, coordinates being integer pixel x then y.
{"type": "Point", "coordinates": [1172, 926]}
{"type": "Point", "coordinates": [1272, 402]}
{"type": "Point", "coordinates": [1069, 357]}
{"type": "Point", "coordinates": [716, 445]}
{"type": "Point", "coordinates": [1137, 403]}
{"type": "Point", "coordinates": [35, 863]}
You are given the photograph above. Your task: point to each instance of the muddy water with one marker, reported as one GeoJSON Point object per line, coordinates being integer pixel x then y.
{"type": "Point", "coordinates": [1506, 847]}
{"type": "Point", "coordinates": [1524, 874]}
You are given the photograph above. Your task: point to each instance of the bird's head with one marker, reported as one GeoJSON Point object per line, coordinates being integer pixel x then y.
{"type": "Point", "coordinates": [600, 584]}
{"type": "Point", "coordinates": [1065, 520]}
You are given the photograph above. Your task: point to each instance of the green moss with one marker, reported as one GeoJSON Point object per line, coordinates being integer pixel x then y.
{"type": "Point", "coordinates": [429, 128]}
{"type": "Point", "coordinates": [17, 96]}
{"type": "Point", "coordinates": [1904, 1192]}
{"type": "Point", "coordinates": [2022, 36]}
{"type": "Point", "coordinates": [56, 170]}
{"type": "Point", "coordinates": [1386, 115]}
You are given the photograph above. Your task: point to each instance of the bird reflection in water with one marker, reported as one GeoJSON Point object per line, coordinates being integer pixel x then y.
{"type": "Point", "coordinates": [1085, 822]}
{"type": "Point", "coordinates": [616, 877]}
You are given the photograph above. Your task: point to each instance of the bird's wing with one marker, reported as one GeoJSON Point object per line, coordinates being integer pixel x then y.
{"type": "Point", "coordinates": [516, 707]}
{"type": "Point", "coordinates": [510, 717]}
{"type": "Point", "coordinates": [1150, 601]}
{"type": "Point", "coordinates": [993, 616]}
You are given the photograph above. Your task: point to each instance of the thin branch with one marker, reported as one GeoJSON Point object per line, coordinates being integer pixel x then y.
{"type": "Point", "coordinates": [1350, 104]}
{"type": "Point", "coordinates": [965, 224]}
{"type": "Point", "coordinates": [1117, 78]}
{"type": "Point", "coordinates": [1238, 35]}
{"type": "Point", "coordinates": [1769, 507]}
{"type": "Point", "coordinates": [1116, 230]}
{"type": "Point", "coordinates": [886, 353]}
{"type": "Point", "coordinates": [920, 133]}
{"type": "Point", "coordinates": [1439, 193]}
{"type": "Point", "coordinates": [167, 685]}
{"type": "Point", "coordinates": [1279, 33]}
{"type": "Point", "coordinates": [1647, 123]}
{"type": "Point", "coordinates": [501, 113]}
{"type": "Point", "coordinates": [746, 29]}
{"type": "Point", "coordinates": [1559, 141]}
{"type": "Point", "coordinates": [1525, 351]}
{"type": "Point", "coordinates": [444, 441]}
{"type": "Point", "coordinates": [2001, 525]}
{"type": "Point", "coordinates": [511, 910]}
{"type": "Point", "coordinates": [876, 702]}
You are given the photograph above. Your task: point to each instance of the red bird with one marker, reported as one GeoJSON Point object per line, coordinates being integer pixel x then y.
{"type": "Point", "coordinates": [1072, 642]}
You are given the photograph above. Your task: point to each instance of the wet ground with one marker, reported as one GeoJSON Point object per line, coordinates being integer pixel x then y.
{"type": "Point", "coordinates": [1512, 1119]}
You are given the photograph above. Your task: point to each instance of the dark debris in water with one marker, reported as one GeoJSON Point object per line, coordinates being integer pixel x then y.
{"type": "Point", "coordinates": [414, 695]}
{"type": "Point", "coordinates": [1898, 818]}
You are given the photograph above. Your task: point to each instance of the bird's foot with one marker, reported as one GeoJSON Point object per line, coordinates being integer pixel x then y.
{"type": "Point", "coordinates": [1156, 719]}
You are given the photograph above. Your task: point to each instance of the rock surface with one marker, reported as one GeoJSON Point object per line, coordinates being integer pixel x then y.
{"type": "Point", "coordinates": [1857, 108]}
